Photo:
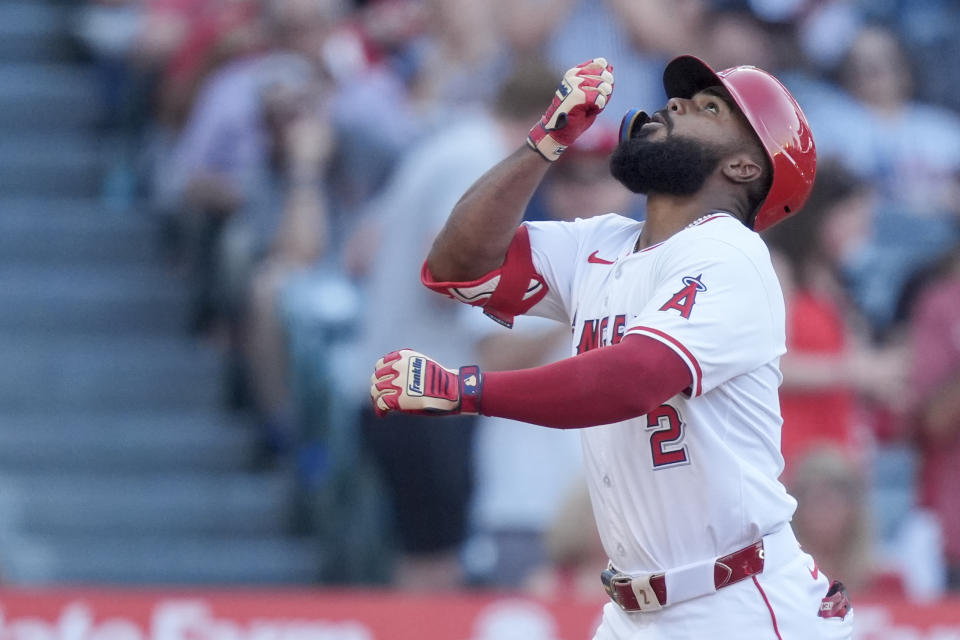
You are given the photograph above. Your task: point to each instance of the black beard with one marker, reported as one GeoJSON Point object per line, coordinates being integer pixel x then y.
{"type": "Point", "coordinates": [675, 166]}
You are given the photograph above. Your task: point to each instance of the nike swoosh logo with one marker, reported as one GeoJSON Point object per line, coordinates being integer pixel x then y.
{"type": "Point", "coordinates": [815, 572]}
{"type": "Point", "coordinates": [593, 259]}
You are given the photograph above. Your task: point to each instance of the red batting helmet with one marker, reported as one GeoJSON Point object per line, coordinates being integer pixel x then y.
{"type": "Point", "coordinates": [773, 114]}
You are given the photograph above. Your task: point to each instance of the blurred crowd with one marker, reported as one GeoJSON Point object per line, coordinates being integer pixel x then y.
{"type": "Point", "coordinates": [298, 157]}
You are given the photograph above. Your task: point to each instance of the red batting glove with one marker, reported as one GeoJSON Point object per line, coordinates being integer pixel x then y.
{"type": "Point", "coordinates": [411, 382]}
{"type": "Point", "coordinates": [583, 93]}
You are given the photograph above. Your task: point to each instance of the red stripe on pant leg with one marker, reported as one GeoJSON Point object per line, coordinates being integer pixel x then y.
{"type": "Point", "coordinates": [773, 616]}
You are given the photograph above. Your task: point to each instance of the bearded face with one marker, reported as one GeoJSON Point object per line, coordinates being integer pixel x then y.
{"type": "Point", "coordinates": [673, 165]}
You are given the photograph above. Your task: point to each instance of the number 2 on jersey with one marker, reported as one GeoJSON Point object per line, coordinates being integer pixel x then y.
{"type": "Point", "coordinates": [669, 430]}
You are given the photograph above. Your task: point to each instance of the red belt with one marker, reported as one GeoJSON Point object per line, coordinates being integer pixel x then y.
{"type": "Point", "coordinates": [635, 593]}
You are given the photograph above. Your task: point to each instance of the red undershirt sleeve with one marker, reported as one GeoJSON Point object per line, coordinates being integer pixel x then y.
{"type": "Point", "coordinates": [602, 386]}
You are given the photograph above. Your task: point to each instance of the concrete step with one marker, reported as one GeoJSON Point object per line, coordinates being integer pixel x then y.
{"type": "Point", "coordinates": [236, 560]}
{"type": "Point", "coordinates": [117, 372]}
{"type": "Point", "coordinates": [51, 164]}
{"type": "Point", "coordinates": [47, 96]}
{"type": "Point", "coordinates": [22, 209]}
{"type": "Point", "coordinates": [125, 442]}
{"type": "Point", "coordinates": [140, 299]}
{"type": "Point", "coordinates": [32, 30]}
{"type": "Point", "coordinates": [142, 504]}
{"type": "Point", "coordinates": [65, 231]}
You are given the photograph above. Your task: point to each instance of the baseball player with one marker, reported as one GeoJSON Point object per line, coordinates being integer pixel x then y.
{"type": "Point", "coordinates": [677, 330]}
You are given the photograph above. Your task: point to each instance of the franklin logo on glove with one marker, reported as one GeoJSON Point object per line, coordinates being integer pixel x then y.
{"type": "Point", "coordinates": [415, 385]}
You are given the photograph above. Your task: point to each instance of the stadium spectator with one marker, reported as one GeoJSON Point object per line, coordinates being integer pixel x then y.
{"type": "Point", "coordinates": [183, 41]}
{"type": "Point", "coordinates": [830, 365]}
{"type": "Point", "coordinates": [737, 37]}
{"type": "Point", "coordinates": [226, 172]}
{"type": "Point", "coordinates": [526, 26]}
{"type": "Point", "coordinates": [931, 32]}
{"type": "Point", "coordinates": [574, 552]}
{"type": "Point", "coordinates": [522, 472]}
{"type": "Point", "coordinates": [299, 242]}
{"type": "Point", "coordinates": [225, 147]}
{"type": "Point", "coordinates": [825, 30]}
{"type": "Point", "coordinates": [427, 471]}
{"type": "Point", "coordinates": [832, 522]}
{"type": "Point", "coordinates": [935, 335]}
{"type": "Point", "coordinates": [438, 62]}
{"type": "Point", "coordinates": [230, 156]}
{"type": "Point", "coordinates": [909, 151]}
{"type": "Point", "coordinates": [638, 37]}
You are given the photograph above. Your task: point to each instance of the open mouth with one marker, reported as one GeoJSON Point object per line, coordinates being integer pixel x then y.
{"type": "Point", "coordinates": [654, 123]}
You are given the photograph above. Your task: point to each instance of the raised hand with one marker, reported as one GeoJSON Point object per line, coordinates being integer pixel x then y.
{"type": "Point", "coordinates": [583, 93]}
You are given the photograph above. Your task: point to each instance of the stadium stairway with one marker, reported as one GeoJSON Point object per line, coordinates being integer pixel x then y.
{"type": "Point", "coordinates": [117, 464]}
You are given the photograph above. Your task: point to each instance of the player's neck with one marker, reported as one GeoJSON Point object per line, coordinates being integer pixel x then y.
{"type": "Point", "coordinates": [668, 215]}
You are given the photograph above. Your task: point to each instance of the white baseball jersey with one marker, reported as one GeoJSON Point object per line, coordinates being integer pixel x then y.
{"type": "Point", "coordinates": [698, 477]}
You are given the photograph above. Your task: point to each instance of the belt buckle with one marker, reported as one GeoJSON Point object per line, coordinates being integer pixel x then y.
{"type": "Point", "coordinates": [611, 580]}
{"type": "Point", "coordinates": [641, 595]}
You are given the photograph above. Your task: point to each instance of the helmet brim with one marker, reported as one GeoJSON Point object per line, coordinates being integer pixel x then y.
{"type": "Point", "coordinates": [685, 76]}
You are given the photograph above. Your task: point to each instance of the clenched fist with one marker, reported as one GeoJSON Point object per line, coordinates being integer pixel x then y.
{"type": "Point", "coordinates": [583, 93]}
{"type": "Point", "coordinates": [410, 382]}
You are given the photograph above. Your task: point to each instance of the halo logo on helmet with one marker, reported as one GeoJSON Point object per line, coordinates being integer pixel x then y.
{"type": "Point", "coordinates": [775, 117]}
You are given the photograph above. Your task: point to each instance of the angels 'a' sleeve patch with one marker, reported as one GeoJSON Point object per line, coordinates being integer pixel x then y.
{"type": "Point", "coordinates": [684, 299]}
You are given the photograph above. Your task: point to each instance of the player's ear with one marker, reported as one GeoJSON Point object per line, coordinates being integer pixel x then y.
{"type": "Point", "coordinates": [741, 168]}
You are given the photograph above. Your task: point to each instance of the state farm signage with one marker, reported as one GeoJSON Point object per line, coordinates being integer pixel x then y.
{"type": "Point", "coordinates": [101, 614]}
{"type": "Point", "coordinates": [173, 620]}
{"type": "Point", "coordinates": [287, 615]}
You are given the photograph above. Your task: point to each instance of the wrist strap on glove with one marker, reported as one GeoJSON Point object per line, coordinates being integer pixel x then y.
{"type": "Point", "coordinates": [471, 386]}
{"type": "Point", "coordinates": [460, 388]}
